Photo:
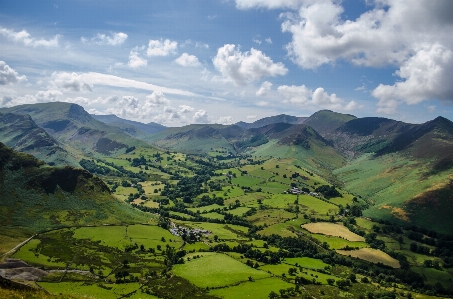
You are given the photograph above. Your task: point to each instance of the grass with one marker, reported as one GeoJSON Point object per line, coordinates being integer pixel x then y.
{"type": "Point", "coordinates": [81, 289]}
{"type": "Point", "coordinates": [239, 211]}
{"type": "Point", "coordinates": [372, 255]}
{"type": "Point", "coordinates": [215, 270]}
{"type": "Point", "coordinates": [306, 262]}
{"type": "Point", "coordinates": [258, 289]}
{"type": "Point", "coordinates": [338, 243]}
{"type": "Point", "coordinates": [332, 229]}
{"type": "Point", "coordinates": [27, 253]}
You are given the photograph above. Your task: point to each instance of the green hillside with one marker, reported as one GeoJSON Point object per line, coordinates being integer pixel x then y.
{"type": "Point", "coordinates": [22, 134]}
{"type": "Point", "coordinates": [35, 197]}
{"type": "Point", "coordinates": [73, 127]}
{"type": "Point", "coordinates": [326, 121]}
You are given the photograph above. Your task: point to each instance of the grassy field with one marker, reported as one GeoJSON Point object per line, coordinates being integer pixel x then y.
{"type": "Point", "coordinates": [81, 289]}
{"type": "Point", "coordinates": [337, 242]}
{"type": "Point", "coordinates": [215, 270]}
{"type": "Point", "coordinates": [223, 231]}
{"type": "Point", "coordinates": [306, 262]}
{"type": "Point", "coordinates": [332, 229]}
{"type": "Point", "coordinates": [258, 289]}
{"type": "Point", "coordinates": [372, 255]}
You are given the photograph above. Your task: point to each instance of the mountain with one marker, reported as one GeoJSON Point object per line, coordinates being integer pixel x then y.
{"type": "Point", "coordinates": [133, 128]}
{"type": "Point", "coordinates": [22, 134]}
{"type": "Point", "coordinates": [404, 170]}
{"type": "Point", "coordinates": [326, 121]}
{"type": "Point", "coordinates": [198, 138]}
{"type": "Point", "coordinates": [74, 128]}
{"type": "Point", "coordinates": [35, 198]}
{"type": "Point", "coordinates": [282, 118]}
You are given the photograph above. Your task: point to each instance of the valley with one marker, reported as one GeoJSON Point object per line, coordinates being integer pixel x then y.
{"type": "Point", "coordinates": [320, 207]}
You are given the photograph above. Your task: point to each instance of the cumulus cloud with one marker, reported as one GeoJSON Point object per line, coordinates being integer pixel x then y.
{"type": "Point", "coordinates": [48, 95]}
{"type": "Point", "coordinates": [414, 36]}
{"type": "Point", "coordinates": [262, 103]}
{"type": "Point", "coordinates": [269, 40]}
{"type": "Point", "coordinates": [135, 61]}
{"type": "Point", "coordinates": [243, 67]}
{"type": "Point", "coordinates": [264, 89]}
{"type": "Point", "coordinates": [187, 60]}
{"type": "Point", "coordinates": [8, 75]}
{"type": "Point", "coordinates": [201, 116]}
{"type": "Point", "coordinates": [225, 120]}
{"type": "Point", "coordinates": [157, 98]}
{"type": "Point", "coordinates": [426, 75]}
{"type": "Point", "coordinates": [185, 109]}
{"type": "Point", "coordinates": [70, 82]}
{"type": "Point", "coordinates": [302, 95]}
{"type": "Point", "coordinates": [115, 38]}
{"type": "Point", "coordinates": [161, 47]}
{"type": "Point", "coordinates": [25, 38]}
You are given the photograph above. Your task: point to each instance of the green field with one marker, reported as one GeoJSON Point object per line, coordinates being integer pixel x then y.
{"type": "Point", "coordinates": [214, 270]}
{"type": "Point", "coordinates": [306, 262]}
{"type": "Point", "coordinates": [337, 242]}
{"type": "Point", "coordinates": [258, 289]}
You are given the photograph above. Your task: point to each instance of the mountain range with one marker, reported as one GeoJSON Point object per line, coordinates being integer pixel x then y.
{"type": "Point", "coordinates": [399, 168]}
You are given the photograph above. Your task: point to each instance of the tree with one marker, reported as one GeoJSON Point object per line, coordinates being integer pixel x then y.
{"type": "Point", "coordinates": [273, 295]}
{"type": "Point", "coordinates": [330, 281]}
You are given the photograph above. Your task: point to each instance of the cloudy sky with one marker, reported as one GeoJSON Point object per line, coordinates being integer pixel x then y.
{"type": "Point", "coordinates": [177, 62]}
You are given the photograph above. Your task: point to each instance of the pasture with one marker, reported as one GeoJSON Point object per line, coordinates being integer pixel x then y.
{"type": "Point", "coordinates": [372, 255]}
{"type": "Point", "coordinates": [332, 229]}
{"type": "Point", "coordinates": [215, 270]}
{"type": "Point", "coordinates": [337, 242]}
{"type": "Point", "coordinates": [258, 289]}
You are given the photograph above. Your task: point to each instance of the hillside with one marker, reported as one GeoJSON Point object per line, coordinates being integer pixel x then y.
{"type": "Point", "coordinates": [282, 118]}
{"type": "Point", "coordinates": [326, 121]}
{"type": "Point", "coordinates": [35, 198]}
{"type": "Point", "coordinates": [74, 128]}
{"type": "Point", "coordinates": [22, 134]}
{"type": "Point", "coordinates": [198, 138]}
{"type": "Point", "coordinates": [134, 128]}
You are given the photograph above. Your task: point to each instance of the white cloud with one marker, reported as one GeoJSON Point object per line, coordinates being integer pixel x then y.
{"type": "Point", "coordinates": [116, 38]}
{"type": "Point", "coordinates": [389, 33]}
{"type": "Point", "coordinates": [319, 98]}
{"type": "Point", "coordinates": [295, 94]}
{"type": "Point", "coordinates": [264, 89]}
{"type": "Point", "coordinates": [110, 80]}
{"type": "Point", "coordinates": [243, 67]}
{"type": "Point", "coordinates": [187, 60]}
{"type": "Point", "coordinates": [201, 116]}
{"type": "Point", "coordinates": [8, 75]}
{"type": "Point", "coordinates": [95, 111]}
{"type": "Point", "coordinates": [185, 109]}
{"type": "Point", "coordinates": [431, 109]}
{"type": "Point", "coordinates": [24, 37]}
{"type": "Point", "coordinates": [161, 47]}
{"type": "Point", "coordinates": [157, 98]}
{"type": "Point", "coordinates": [135, 61]}
{"type": "Point", "coordinates": [250, 116]}
{"type": "Point", "coordinates": [225, 120]}
{"type": "Point", "coordinates": [269, 40]}
{"type": "Point", "coordinates": [271, 4]}
{"type": "Point", "coordinates": [70, 82]}
{"type": "Point", "coordinates": [48, 96]}
{"type": "Point", "coordinates": [426, 75]}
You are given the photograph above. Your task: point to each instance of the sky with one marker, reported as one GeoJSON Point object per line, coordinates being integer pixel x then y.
{"type": "Point", "coordinates": [177, 62]}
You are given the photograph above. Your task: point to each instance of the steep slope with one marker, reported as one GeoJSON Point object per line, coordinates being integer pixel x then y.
{"type": "Point", "coordinates": [366, 135]}
{"type": "Point", "coordinates": [407, 173]}
{"type": "Point", "coordinates": [134, 128]}
{"type": "Point", "coordinates": [35, 198]}
{"type": "Point", "coordinates": [326, 121]}
{"type": "Point", "coordinates": [22, 134]}
{"type": "Point", "coordinates": [300, 142]}
{"type": "Point", "coordinates": [72, 126]}
{"type": "Point", "coordinates": [282, 118]}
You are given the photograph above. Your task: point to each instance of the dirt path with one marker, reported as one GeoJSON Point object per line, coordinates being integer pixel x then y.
{"type": "Point", "coordinates": [13, 250]}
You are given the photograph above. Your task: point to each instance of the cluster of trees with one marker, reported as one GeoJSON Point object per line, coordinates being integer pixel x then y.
{"type": "Point", "coordinates": [328, 191]}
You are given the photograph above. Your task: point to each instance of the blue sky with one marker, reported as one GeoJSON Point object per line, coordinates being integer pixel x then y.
{"type": "Point", "coordinates": [205, 61]}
